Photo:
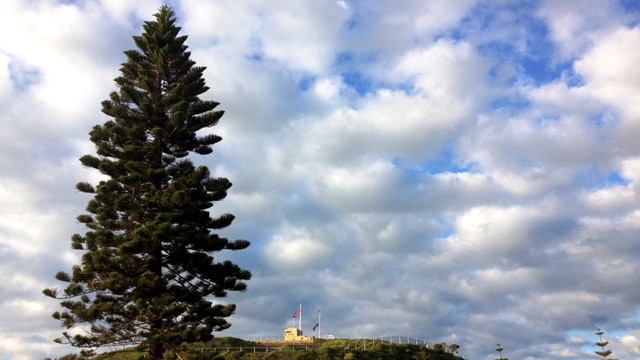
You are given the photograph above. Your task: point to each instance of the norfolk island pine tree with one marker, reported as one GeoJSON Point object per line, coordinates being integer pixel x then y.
{"type": "Point", "coordinates": [147, 276]}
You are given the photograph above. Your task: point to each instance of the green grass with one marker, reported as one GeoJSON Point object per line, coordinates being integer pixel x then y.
{"type": "Point", "coordinates": [228, 348]}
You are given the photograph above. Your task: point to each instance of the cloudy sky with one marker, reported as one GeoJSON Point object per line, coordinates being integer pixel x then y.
{"type": "Point", "coordinates": [461, 171]}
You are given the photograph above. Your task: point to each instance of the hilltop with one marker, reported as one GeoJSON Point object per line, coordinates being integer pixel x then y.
{"type": "Point", "coordinates": [228, 348]}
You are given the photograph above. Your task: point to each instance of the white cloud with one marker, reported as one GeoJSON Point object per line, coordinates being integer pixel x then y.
{"type": "Point", "coordinates": [301, 37]}
{"type": "Point", "coordinates": [295, 249]}
{"type": "Point", "coordinates": [387, 31]}
{"type": "Point", "coordinates": [490, 236]}
{"type": "Point", "coordinates": [575, 26]}
{"type": "Point", "coordinates": [618, 197]}
{"type": "Point", "coordinates": [5, 77]}
{"type": "Point", "coordinates": [615, 80]}
{"type": "Point", "coordinates": [530, 155]}
{"type": "Point", "coordinates": [445, 69]}
{"type": "Point", "coordinates": [328, 88]}
{"type": "Point", "coordinates": [123, 11]}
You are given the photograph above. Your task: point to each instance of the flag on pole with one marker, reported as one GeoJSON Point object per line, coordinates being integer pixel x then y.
{"type": "Point", "coordinates": [315, 327]}
{"type": "Point", "coordinates": [296, 313]}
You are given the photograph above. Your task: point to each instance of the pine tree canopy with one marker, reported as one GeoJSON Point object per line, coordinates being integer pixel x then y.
{"type": "Point", "coordinates": [147, 275]}
{"type": "Point", "coordinates": [604, 353]}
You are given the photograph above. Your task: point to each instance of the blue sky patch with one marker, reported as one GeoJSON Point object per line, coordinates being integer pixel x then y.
{"type": "Point", "coordinates": [351, 67]}
{"type": "Point", "coordinates": [630, 5]}
{"type": "Point", "coordinates": [255, 52]}
{"type": "Point", "coordinates": [446, 162]}
{"type": "Point", "coordinates": [357, 81]}
{"type": "Point", "coordinates": [23, 76]}
{"type": "Point", "coordinates": [604, 119]}
{"type": "Point", "coordinates": [595, 178]}
{"type": "Point", "coordinates": [510, 104]}
{"type": "Point", "coordinates": [306, 82]}
{"type": "Point", "coordinates": [446, 228]}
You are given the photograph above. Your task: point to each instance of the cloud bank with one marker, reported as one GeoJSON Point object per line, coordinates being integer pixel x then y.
{"type": "Point", "coordinates": [463, 172]}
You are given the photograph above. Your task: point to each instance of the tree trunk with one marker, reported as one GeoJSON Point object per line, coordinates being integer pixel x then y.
{"type": "Point", "coordinates": [156, 351]}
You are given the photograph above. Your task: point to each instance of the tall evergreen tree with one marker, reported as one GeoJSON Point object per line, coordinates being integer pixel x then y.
{"type": "Point", "coordinates": [147, 275]}
{"type": "Point", "coordinates": [499, 350]}
{"type": "Point", "coordinates": [603, 353]}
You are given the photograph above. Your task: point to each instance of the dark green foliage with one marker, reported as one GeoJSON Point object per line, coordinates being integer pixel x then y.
{"type": "Point", "coordinates": [147, 274]}
{"type": "Point", "coordinates": [603, 353]}
{"type": "Point", "coordinates": [499, 350]}
{"type": "Point", "coordinates": [67, 357]}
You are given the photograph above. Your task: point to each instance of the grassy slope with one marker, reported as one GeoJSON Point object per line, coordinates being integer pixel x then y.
{"type": "Point", "coordinates": [341, 349]}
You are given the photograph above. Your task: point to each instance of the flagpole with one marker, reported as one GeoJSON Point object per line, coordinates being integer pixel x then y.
{"type": "Point", "coordinates": [300, 319]}
{"type": "Point", "coordinates": [319, 324]}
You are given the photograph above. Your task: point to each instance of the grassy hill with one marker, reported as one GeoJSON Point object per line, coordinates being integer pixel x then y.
{"type": "Point", "coordinates": [228, 348]}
